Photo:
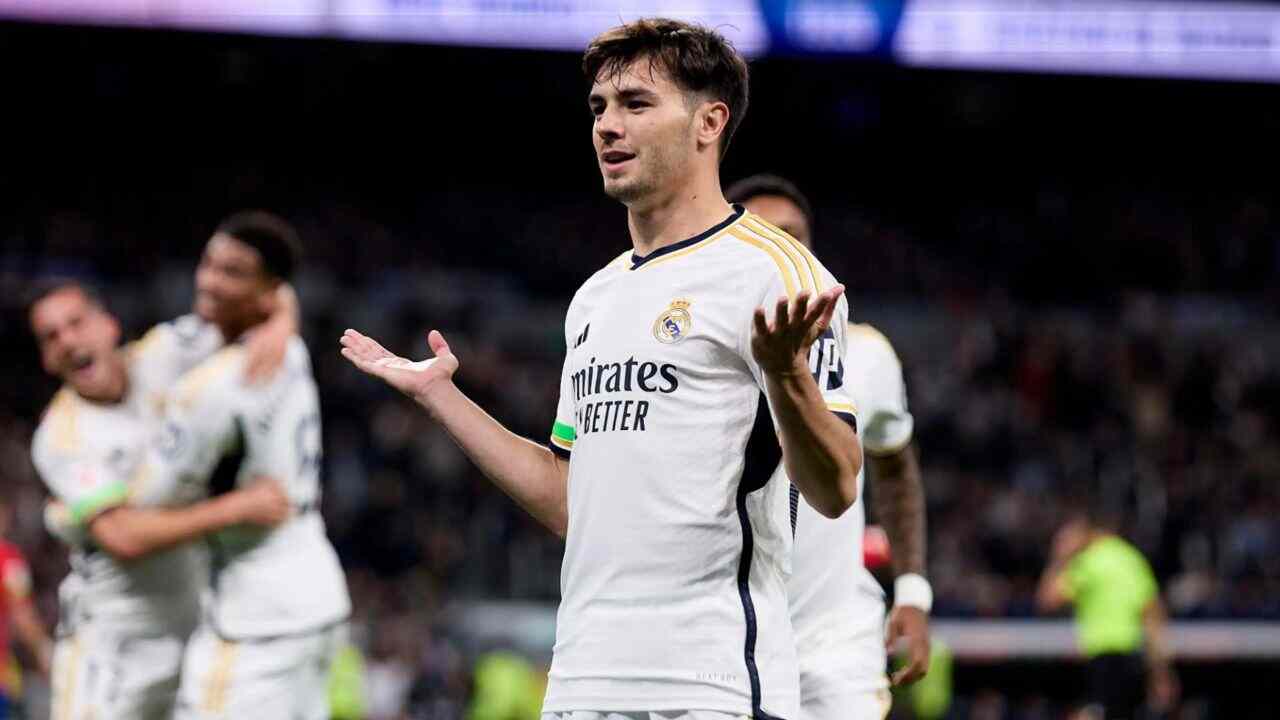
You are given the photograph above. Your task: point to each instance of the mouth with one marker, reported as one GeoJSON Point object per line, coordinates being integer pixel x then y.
{"type": "Point", "coordinates": [613, 160]}
{"type": "Point", "coordinates": [81, 365]}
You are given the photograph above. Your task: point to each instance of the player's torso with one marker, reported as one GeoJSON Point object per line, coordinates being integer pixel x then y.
{"type": "Point", "coordinates": [158, 591]}
{"type": "Point", "coordinates": [664, 404]}
{"type": "Point", "coordinates": [287, 578]}
{"type": "Point", "coordinates": [837, 607]}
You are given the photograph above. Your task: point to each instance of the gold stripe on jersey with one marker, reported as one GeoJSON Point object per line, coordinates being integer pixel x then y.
{"type": "Point", "coordinates": [63, 416]}
{"type": "Point", "coordinates": [773, 254]}
{"type": "Point", "coordinates": [215, 698]}
{"type": "Point", "coordinates": [842, 407]}
{"type": "Point", "coordinates": [62, 702]}
{"type": "Point", "coordinates": [789, 247]}
{"type": "Point", "coordinates": [806, 279]}
{"type": "Point", "coordinates": [755, 221]}
{"type": "Point", "coordinates": [681, 253]}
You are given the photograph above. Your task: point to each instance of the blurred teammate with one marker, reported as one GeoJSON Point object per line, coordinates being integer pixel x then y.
{"type": "Point", "coordinates": [673, 591]}
{"type": "Point", "coordinates": [19, 613]}
{"type": "Point", "coordinates": [132, 598]}
{"type": "Point", "coordinates": [837, 607]}
{"type": "Point", "coordinates": [278, 600]}
{"type": "Point", "coordinates": [1121, 623]}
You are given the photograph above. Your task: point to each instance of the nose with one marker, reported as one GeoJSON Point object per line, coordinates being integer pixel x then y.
{"type": "Point", "coordinates": [609, 125]}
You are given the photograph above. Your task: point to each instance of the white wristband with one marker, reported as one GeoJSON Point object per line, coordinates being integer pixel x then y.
{"type": "Point", "coordinates": [912, 590]}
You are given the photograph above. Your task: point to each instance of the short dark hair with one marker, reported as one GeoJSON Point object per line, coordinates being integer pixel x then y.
{"type": "Point", "coordinates": [766, 184]}
{"type": "Point", "coordinates": [42, 288]}
{"type": "Point", "coordinates": [273, 237]}
{"type": "Point", "coordinates": [698, 59]}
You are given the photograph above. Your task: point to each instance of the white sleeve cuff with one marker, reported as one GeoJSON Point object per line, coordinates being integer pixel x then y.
{"type": "Point", "coordinates": [912, 590]}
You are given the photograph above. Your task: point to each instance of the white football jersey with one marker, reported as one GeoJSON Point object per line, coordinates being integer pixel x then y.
{"type": "Point", "coordinates": [87, 454]}
{"type": "Point", "coordinates": [219, 433]}
{"type": "Point", "coordinates": [837, 607]}
{"type": "Point", "coordinates": [673, 581]}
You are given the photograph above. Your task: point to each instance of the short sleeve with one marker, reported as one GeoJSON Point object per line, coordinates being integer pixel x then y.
{"type": "Point", "coordinates": [1075, 579]}
{"type": "Point", "coordinates": [1145, 579]}
{"type": "Point", "coordinates": [564, 429]}
{"type": "Point", "coordinates": [826, 355]}
{"type": "Point", "coordinates": [887, 425]}
{"type": "Point", "coordinates": [85, 483]}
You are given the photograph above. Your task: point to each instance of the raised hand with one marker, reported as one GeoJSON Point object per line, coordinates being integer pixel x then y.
{"type": "Point", "coordinates": [414, 379]}
{"type": "Point", "coordinates": [782, 347]}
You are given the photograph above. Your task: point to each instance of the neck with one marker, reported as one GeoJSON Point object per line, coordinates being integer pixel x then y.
{"type": "Point", "coordinates": [677, 216]}
{"type": "Point", "coordinates": [232, 330]}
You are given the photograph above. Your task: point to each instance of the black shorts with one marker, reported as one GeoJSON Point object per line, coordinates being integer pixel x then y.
{"type": "Point", "coordinates": [1118, 684]}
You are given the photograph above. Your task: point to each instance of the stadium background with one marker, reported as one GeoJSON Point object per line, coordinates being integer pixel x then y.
{"type": "Point", "coordinates": [1079, 273]}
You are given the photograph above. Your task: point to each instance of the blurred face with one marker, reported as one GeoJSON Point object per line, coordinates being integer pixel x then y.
{"type": "Point", "coordinates": [233, 290]}
{"type": "Point", "coordinates": [77, 340]}
{"type": "Point", "coordinates": [785, 214]}
{"type": "Point", "coordinates": [644, 132]}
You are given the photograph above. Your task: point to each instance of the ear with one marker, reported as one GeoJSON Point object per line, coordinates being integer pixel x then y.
{"type": "Point", "coordinates": [711, 120]}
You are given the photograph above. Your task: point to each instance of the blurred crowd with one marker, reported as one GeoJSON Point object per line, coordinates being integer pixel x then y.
{"type": "Point", "coordinates": [1164, 408]}
{"type": "Point", "coordinates": [1085, 302]}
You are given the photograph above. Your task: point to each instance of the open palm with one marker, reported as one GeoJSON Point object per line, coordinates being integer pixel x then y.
{"type": "Point", "coordinates": [783, 345]}
{"type": "Point", "coordinates": [409, 377]}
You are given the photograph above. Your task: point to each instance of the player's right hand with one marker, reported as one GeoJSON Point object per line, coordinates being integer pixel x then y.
{"type": "Point", "coordinates": [265, 503]}
{"type": "Point", "coordinates": [414, 379]}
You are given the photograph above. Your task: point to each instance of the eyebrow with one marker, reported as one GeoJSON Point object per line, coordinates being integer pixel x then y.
{"type": "Point", "coordinates": [624, 95]}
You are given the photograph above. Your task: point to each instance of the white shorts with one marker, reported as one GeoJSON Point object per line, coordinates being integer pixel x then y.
{"type": "Point", "coordinates": [100, 674]}
{"type": "Point", "coordinates": [663, 715]}
{"type": "Point", "coordinates": [284, 678]}
{"type": "Point", "coordinates": [866, 704]}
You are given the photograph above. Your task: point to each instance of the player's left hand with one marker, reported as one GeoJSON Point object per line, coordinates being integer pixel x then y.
{"type": "Point", "coordinates": [909, 625]}
{"type": "Point", "coordinates": [782, 347]}
{"type": "Point", "coordinates": [265, 347]}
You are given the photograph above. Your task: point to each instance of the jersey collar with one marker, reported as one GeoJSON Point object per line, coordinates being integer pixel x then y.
{"type": "Point", "coordinates": [638, 260]}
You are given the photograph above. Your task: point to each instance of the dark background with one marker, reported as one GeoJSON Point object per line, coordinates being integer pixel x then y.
{"type": "Point", "coordinates": [1078, 273]}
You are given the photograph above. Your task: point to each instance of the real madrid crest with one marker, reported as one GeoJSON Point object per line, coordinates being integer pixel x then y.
{"type": "Point", "coordinates": [674, 323]}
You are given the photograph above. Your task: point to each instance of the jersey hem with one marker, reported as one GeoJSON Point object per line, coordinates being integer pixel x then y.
{"type": "Point", "coordinates": [212, 622]}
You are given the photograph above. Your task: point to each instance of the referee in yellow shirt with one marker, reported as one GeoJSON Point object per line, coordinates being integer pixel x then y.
{"type": "Point", "coordinates": [1121, 623]}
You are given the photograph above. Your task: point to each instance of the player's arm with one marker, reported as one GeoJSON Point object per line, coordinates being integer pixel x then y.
{"type": "Point", "coordinates": [1163, 680]}
{"type": "Point", "coordinates": [200, 427]}
{"type": "Point", "coordinates": [130, 533]}
{"type": "Point", "coordinates": [267, 344]}
{"type": "Point", "coordinates": [26, 621]}
{"type": "Point", "coordinates": [531, 474]}
{"type": "Point", "coordinates": [900, 505]}
{"type": "Point", "coordinates": [1054, 590]}
{"type": "Point", "coordinates": [820, 451]}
